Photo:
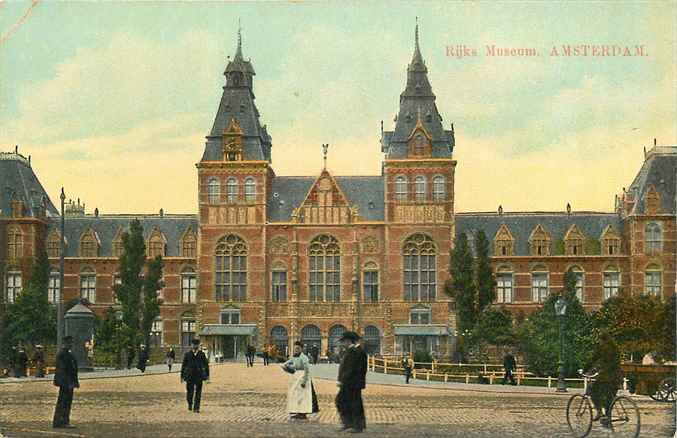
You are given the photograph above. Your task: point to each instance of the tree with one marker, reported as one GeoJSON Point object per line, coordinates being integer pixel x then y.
{"type": "Point", "coordinates": [129, 290]}
{"type": "Point", "coordinates": [539, 336]}
{"type": "Point", "coordinates": [151, 306]}
{"type": "Point", "coordinates": [462, 286]}
{"type": "Point", "coordinates": [31, 320]}
{"type": "Point", "coordinates": [484, 276]}
{"type": "Point", "coordinates": [495, 327]}
{"type": "Point", "coordinates": [636, 322]}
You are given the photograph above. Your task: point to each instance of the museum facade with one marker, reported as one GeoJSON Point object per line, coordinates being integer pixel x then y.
{"type": "Point", "coordinates": [275, 259]}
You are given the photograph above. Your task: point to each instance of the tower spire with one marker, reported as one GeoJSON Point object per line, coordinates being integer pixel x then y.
{"type": "Point", "coordinates": [416, 34]}
{"type": "Point", "coordinates": [238, 53]}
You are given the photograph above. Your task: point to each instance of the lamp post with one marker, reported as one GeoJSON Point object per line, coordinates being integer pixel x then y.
{"type": "Point", "coordinates": [59, 301]}
{"type": "Point", "coordinates": [118, 318]}
{"type": "Point", "coordinates": [560, 311]}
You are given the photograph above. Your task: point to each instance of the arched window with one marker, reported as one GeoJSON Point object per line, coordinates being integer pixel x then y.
{"type": "Point", "coordinates": [54, 286]}
{"type": "Point", "coordinates": [370, 282]}
{"type": "Point", "coordinates": [213, 190]}
{"type": "Point", "coordinates": [88, 284]}
{"type": "Point", "coordinates": [249, 189]}
{"type": "Point", "coordinates": [652, 280]}
{"type": "Point", "coordinates": [156, 330]}
{"type": "Point", "coordinates": [580, 282]}
{"type": "Point", "coordinates": [15, 245]}
{"type": "Point", "coordinates": [335, 334]}
{"type": "Point", "coordinates": [156, 244]}
{"type": "Point", "coordinates": [611, 282]}
{"type": "Point", "coordinates": [325, 269]}
{"type": "Point", "coordinates": [311, 335]}
{"type": "Point", "coordinates": [420, 188]}
{"type": "Point", "coordinates": [187, 329]}
{"type": "Point", "coordinates": [12, 286]}
{"type": "Point", "coordinates": [420, 268]}
{"type": "Point", "coordinates": [280, 338]}
{"type": "Point", "coordinates": [231, 269]}
{"type": "Point", "coordinates": [439, 188]}
{"type": "Point", "coordinates": [231, 190]}
{"type": "Point", "coordinates": [654, 238]}
{"type": "Point", "coordinates": [372, 340]}
{"type": "Point", "coordinates": [504, 282]}
{"type": "Point", "coordinates": [539, 284]}
{"type": "Point", "coordinates": [188, 285]}
{"type": "Point", "coordinates": [401, 188]}
{"type": "Point", "coordinates": [279, 283]}
{"type": "Point", "coordinates": [54, 244]}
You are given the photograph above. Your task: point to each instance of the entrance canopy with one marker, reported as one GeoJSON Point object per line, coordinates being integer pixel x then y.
{"type": "Point", "coordinates": [228, 330]}
{"type": "Point", "coordinates": [422, 330]}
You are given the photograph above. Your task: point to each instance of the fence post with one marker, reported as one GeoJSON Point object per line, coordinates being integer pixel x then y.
{"type": "Point", "coordinates": [385, 366]}
{"type": "Point", "coordinates": [445, 378]}
{"type": "Point", "coordinates": [549, 381]}
{"type": "Point", "coordinates": [413, 373]}
{"type": "Point", "coordinates": [485, 368]}
{"type": "Point", "coordinates": [427, 375]}
{"type": "Point", "coordinates": [491, 378]}
{"type": "Point", "coordinates": [585, 384]}
{"type": "Point", "coordinates": [519, 379]}
{"type": "Point", "coordinates": [433, 366]}
{"type": "Point", "coordinates": [467, 378]}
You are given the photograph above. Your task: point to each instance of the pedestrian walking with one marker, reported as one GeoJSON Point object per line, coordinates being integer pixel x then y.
{"type": "Point", "coordinates": [351, 381]}
{"type": "Point", "coordinates": [250, 353]}
{"type": "Point", "coordinates": [170, 358]}
{"type": "Point", "coordinates": [315, 352]}
{"type": "Point", "coordinates": [39, 361]}
{"type": "Point", "coordinates": [509, 366]}
{"type": "Point", "coordinates": [194, 371]}
{"type": "Point", "coordinates": [66, 378]}
{"type": "Point", "coordinates": [21, 362]}
{"type": "Point", "coordinates": [130, 356]}
{"type": "Point", "coordinates": [12, 361]}
{"type": "Point", "coordinates": [301, 397]}
{"type": "Point", "coordinates": [89, 349]}
{"type": "Point", "coordinates": [408, 365]}
{"type": "Point", "coordinates": [143, 358]}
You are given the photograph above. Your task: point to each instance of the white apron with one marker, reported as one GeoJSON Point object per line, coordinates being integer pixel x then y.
{"type": "Point", "coordinates": [300, 400]}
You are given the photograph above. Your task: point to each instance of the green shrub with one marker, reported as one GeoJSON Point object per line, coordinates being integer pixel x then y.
{"type": "Point", "coordinates": [422, 356]}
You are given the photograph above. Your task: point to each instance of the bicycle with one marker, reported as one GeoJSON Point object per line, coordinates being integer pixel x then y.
{"type": "Point", "coordinates": [665, 391]}
{"type": "Point", "coordinates": [623, 417]}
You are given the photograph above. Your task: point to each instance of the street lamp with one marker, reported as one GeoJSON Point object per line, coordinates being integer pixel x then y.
{"type": "Point", "coordinates": [560, 311]}
{"type": "Point", "coordinates": [59, 301]}
{"type": "Point", "coordinates": [118, 318]}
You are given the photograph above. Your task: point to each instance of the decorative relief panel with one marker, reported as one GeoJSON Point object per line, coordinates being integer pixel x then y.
{"type": "Point", "coordinates": [324, 310]}
{"type": "Point", "coordinates": [369, 245]}
{"type": "Point", "coordinates": [279, 245]}
{"type": "Point", "coordinates": [420, 213]}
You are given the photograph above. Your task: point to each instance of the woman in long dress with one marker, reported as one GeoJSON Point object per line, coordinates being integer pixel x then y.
{"type": "Point", "coordinates": [300, 393]}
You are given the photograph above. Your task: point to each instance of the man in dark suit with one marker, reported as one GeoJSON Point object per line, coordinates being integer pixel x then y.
{"type": "Point", "coordinates": [509, 365]}
{"type": "Point", "coordinates": [194, 370]}
{"type": "Point", "coordinates": [143, 358]}
{"type": "Point", "coordinates": [351, 381]}
{"type": "Point", "coordinates": [21, 362]}
{"type": "Point", "coordinates": [66, 378]}
{"type": "Point", "coordinates": [39, 361]}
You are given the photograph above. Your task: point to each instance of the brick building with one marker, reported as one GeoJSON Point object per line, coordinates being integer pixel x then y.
{"type": "Point", "coordinates": [277, 259]}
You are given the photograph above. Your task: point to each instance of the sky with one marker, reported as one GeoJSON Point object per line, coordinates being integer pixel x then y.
{"type": "Point", "coordinates": [113, 100]}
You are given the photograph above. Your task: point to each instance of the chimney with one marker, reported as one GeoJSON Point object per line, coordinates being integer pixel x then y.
{"type": "Point", "coordinates": [568, 208]}
{"type": "Point", "coordinates": [162, 212]}
{"type": "Point", "coordinates": [96, 212]}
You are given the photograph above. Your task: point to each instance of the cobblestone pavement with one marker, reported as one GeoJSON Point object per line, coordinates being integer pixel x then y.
{"type": "Point", "coordinates": [242, 401]}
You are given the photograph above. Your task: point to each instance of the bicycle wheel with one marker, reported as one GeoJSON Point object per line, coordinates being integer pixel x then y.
{"type": "Point", "coordinates": [624, 415]}
{"type": "Point", "coordinates": [579, 415]}
{"type": "Point", "coordinates": [666, 390]}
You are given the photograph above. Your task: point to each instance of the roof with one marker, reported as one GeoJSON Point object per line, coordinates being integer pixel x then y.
{"type": "Point", "coordinates": [660, 171]}
{"type": "Point", "coordinates": [364, 192]}
{"type": "Point", "coordinates": [591, 224]}
{"type": "Point", "coordinates": [18, 179]}
{"type": "Point", "coordinates": [106, 228]}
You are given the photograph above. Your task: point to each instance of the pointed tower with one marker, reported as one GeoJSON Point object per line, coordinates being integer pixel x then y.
{"type": "Point", "coordinates": [418, 167]}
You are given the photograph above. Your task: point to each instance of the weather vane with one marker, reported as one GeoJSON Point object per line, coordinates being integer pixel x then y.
{"type": "Point", "coordinates": [325, 148]}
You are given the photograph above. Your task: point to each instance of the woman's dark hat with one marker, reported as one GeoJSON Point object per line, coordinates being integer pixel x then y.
{"type": "Point", "coordinates": [350, 336]}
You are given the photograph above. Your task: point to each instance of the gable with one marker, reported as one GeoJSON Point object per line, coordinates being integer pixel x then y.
{"type": "Point", "coordinates": [325, 203]}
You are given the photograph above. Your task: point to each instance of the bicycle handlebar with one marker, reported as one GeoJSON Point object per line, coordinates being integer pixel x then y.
{"type": "Point", "coordinates": [589, 376]}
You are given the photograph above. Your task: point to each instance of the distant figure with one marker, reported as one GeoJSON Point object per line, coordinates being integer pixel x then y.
{"type": "Point", "coordinates": [130, 356]}
{"type": "Point", "coordinates": [12, 361]}
{"type": "Point", "coordinates": [21, 363]}
{"type": "Point", "coordinates": [194, 371]}
{"type": "Point", "coordinates": [408, 365]}
{"type": "Point", "coordinates": [89, 349]}
{"type": "Point", "coordinates": [39, 361]}
{"type": "Point", "coordinates": [143, 358]}
{"type": "Point", "coordinates": [315, 352]}
{"type": "Point", "coordinates": [509, 366]}
{"type": "Point", "coordinates": [251, 351]}
{"type": "Point", "coordinates": [170, 358]}
{"type": "Point", "coordinates": [351, 381]}
{"type": "Point", "coordinates": [606, 360]}
{"type": "Point", "coordinates": [266, 354]}
{"type": "Point", "coordinates": [66, 378]}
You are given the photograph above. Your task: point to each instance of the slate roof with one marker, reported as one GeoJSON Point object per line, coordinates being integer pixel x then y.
{"type": "Point", "coordinates": [660, 170]}
{"type": "Point", "coordinates": [18, 179]}
{"type": "Point", "coordinates": [521, 225]}
{"type": "Point", "coordinates": [106, 228]}
{"type": "Point", "coordinates": [364, 192]}
{"type": "Point", "coordinates": [416, 100]}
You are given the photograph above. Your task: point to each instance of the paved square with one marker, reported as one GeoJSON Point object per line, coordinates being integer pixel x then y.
{"type": "Point", "coordinates": [242, 401]}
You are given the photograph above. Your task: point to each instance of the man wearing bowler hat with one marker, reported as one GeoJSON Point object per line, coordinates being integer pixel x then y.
{"type": "Point", "coordinates": [194, 370]}
{"type": "Point", "coordinates": [351, 381]}
{"type": "Point", "coordinates": [66, 378]}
